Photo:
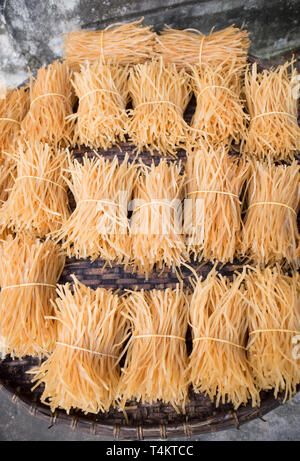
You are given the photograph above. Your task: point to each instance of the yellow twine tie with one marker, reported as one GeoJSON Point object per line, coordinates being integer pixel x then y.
{"type": "Point", "coordinates": [213, 192]}
{"type": "Point", "coordinates": [180, 338]}
{"type": "Point", "coordinates": [155, 202]}
{"type": "Point", "coordinates": [274, 203]}
{"type": "Point", "coordinates": [209, 338]}
{"type": "Point", "coordinates": [10, 120]}
{"type": "Point", "coordinates": [158, 102]}
{"type": "Point", "coordinates": [47, 94]}
{"type": "Point", "coordinates": [201, 49]}
{"type": "Point", "coordinates": [274, 112]}
{"type": "Point", "coordinates": [216, 86]}
{"type": "Point", "coordinates": [275, 330]}
{"type": "Point", "coordinates": [30, 284]}
{"type": "Point", "coordinates": [42, 179]}
{"type": "Point", "coordinates": [102, 46]}
{"type": "Point", "coordinates": [99, 90]}
{"type": "Point", "coordinates": [86, 350]}
{"type": "Point", "coordinates": [107, 202]}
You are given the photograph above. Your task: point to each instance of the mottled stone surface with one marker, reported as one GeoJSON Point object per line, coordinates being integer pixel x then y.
{"type": "Point", "coordinates": [30, 30]}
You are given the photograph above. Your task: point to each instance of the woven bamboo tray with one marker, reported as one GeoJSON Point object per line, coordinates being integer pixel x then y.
{"type": "Point", "coordinates": [140, 421]}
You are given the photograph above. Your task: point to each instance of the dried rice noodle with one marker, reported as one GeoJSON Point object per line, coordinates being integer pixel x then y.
{"type": "Point", "coordinates": [13, 109]}
{"type": "Point", "coordinates": [157, 355]}
{"type": "Point", "coordinates": [274, 324]}
{"type": "Point", "coordinates": [212, 215]}
{"type": "Point", "coordinates": [218, 364]}
{"type": "Point", "coordinates": [159, 95]}
{"type": "Point", "coordinates": [190, 46]}
{"type": "Point", "coordinates": [126, 43]}
{"type": "Point", "coordinates": [38, 201]}
{"type": "Point", "coordinates": [219, 116]}
{"type": "Point", "coordinates": [51, 102]}
{"type": "Point", "coordinates": [102, 189]}
{"type": "Point", "coordinates": [29, 270]}
{"type": "Point", "coordinates": [156, 230]}
{"type": "Point", "coordinates": [101, 116]}
{"type": "Point", "coordinates": [83, 371]}
{"type": "Point", "coordinates": [270, 230]}
{"type": "Point", "coordinates": [273, 108]}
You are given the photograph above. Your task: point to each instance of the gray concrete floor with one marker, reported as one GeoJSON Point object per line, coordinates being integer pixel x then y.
{"type": "Point", "coordinates": [282, 423]}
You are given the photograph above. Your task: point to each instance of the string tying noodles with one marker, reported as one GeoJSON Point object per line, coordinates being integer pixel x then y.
{"type": "Point", "coordinates": [213, 192]}
{"type": "Point", "coordinates": [273, 203]}
{"type": "Point", "coordinates": [283, 330]}
{"type": "Point", "coordinates": [10, 120]}
{"type": "Point", "coordinates": [210, 338]}
{"type": "Point", "coordinates": [31, 284]}
{"type": "Point", "coordinates": [216, 86]}
{"type": "Point", "coordinates": [99, 90]}
{"type": "Point", "coordinates": [86, 350]}
{"type": "Point", "coordinates": [48, 94]}
{"type": "Point", "coordinates": [107, 202]}
{"type": "Point", "coordinates": [274, 112]}
{"type": "Point", "coordinates": [155, 202]}
{"type": "Point", "coordinates": [42, 179]}
{"type": "Point", "coordinates": [180, 338]}
{"type": "Point", "coordinates": [200, 50]}
{"type": "Point", "coordinates": [163, 101]}
{"type": "Point", "coordinates": [101, 46]}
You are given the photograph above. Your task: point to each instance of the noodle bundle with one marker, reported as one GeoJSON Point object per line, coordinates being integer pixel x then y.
{"type": "Point", "coordinates": [159, 95]}
{"type": "Point", "coordinates": [38, 201]}
{"type": "Point", "coordinates": [83, 371]}
{"type": "Point", "coordinates": [125, 43]}
{"type": "Point", "coordinates": [156, 230]}
{"type": "Point", "coordinates": [189, 47]}
{"type": "Point", "coordinates": [13, 109]}
{"type": "Point", "coordinates": [219, 116]}
{"type": "Point", "coordinates": [101, 115]}
{"type": "Point", "coordinates": [273, 109]}
{"type": "Point", "coordinates": [157, 355]}
{"type": "Point", "coordinates": [102, 189]}
{"type": "Point", "coordinates": [51, 102]}
{"type": "Point", "coordinates": [274, 324]}
{"type": "Point", "coordinates": [218, 365]}
{"type": "Point", "coordinates": [270, 231]}
{"type": "Point", "coordinates": [29, 271]}
{"type": "Point", "coordinates": [7, 173]}
{"type": "Point", "coordinates": [3, 348]}
{"type": "Point", "coordinates": [212, 214]}
{"type": "Point", "coordinates": [7, 170]}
